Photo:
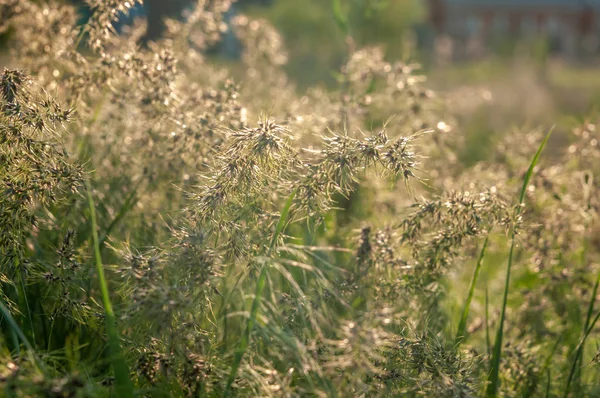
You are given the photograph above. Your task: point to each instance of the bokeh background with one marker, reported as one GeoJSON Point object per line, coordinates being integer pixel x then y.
{"type": "Point", "coordinates": [500, 63]}
{"type": "Point", "coordinates": [506, 71]}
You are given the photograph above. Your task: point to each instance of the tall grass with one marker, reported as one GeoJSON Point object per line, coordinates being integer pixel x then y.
{"type": "Point", "coordinates": [19, 335]}
{"type": "Point", "coordinates": [308, 253]}
{"type": "Point", "coordinates": [461, 333]}
{"type": "Point", "coordinates": [585, 331]}
{"type": "Point", "coordinates": [124, 387]}
{"type": "Point", "coordinates": [260, 286]}
{"type": "Point", "coordinates": [493, 378]}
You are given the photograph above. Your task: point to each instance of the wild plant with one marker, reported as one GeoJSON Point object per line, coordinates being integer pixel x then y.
{"type": "Point", "coordinates": [235, 237]}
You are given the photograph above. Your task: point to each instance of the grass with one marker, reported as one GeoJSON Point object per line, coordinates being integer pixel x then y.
{"type": "Point", "coordinates": [260, 286]}
{"type": "Point", "coordinates": [461, 332]}
{"type": "Point", "coordinates": [493, 378]}
{"type": "Point", "coordinates": [124, 387]}
{"type": "Point", "coordinates": [18, 333]}
{"type": "Point", "coordinates": [587, 328]}
{"type": "Point", "coordinates": [578, 352]}
{"type": "Point", "coordinates": [317, 251]}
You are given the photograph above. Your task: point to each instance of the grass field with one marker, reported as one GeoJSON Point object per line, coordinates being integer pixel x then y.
{"type": "Point", "coordinates": [171, 225]}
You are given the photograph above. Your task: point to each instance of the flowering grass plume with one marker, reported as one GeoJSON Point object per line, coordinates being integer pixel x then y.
{"type": "Point", "coordinates": [259, 241]}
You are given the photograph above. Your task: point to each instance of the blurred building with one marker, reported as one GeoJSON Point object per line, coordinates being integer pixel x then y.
{"type": "Point", "coordinates": [571, 26]}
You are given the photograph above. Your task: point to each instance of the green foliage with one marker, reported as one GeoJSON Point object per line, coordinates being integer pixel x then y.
{"type": "Point", "coordinates": [317, 31]}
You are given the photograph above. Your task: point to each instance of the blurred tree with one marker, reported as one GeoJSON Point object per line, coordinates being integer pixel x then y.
{"type": "Point", "coordinates": [157, 11]}
{"type": "Point", "coordinates": [315, 43]}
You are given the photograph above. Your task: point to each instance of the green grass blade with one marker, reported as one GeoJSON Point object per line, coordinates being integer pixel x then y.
{"type": "Point", "coordinates": [17, 331]}
{"type": "Point", "coordinates": [578, 352]}
{"type": "Point", "coordinates": [577, 375]}
{"type": "Point", "coordinates": [534, 162]}
{"type": "Point", "coordinates": [125, 208]}
{"type": "Point", "coordinates": [260, 286]}
{"type": "Point", "coordinates": [590, 311]}
{"type": "Point", "coordinates": [494, 376]}
{"type": "Point", "coordinates": [462, 326]}
{"type": "Point", "coordinates": [23, 294]}
{"type": "Point", "coordinates": [340, 18]}
{"type": "Point", "coordinates": [123, 385]}
{"type": "Point", "coordinates": [545, 367]}
{"type": "Point", "coordinates": [548, 360]}
{"type": "Point", "coordinates": [584, 333]}
{"type": "Point", "coordinates": [487, 322]}
{"type": "Point", "coordinates": [283, 219]}
{"type": "Point", "coordinates": [592, 303]}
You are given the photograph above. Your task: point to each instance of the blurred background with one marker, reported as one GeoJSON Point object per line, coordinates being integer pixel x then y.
{"type": "Point", "coordinates": [501, 63]}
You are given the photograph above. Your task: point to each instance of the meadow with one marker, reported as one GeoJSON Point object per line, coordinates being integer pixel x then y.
{"type": "Point", "coordinates": [175, 226]}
